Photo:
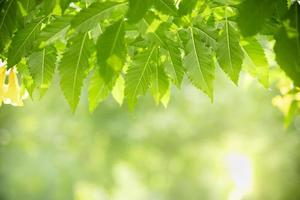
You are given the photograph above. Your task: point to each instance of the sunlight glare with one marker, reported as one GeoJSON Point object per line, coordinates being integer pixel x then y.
{"type": "Point", "coordinates": [241, 173]}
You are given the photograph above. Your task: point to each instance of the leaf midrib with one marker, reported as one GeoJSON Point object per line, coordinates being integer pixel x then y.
{"type": "Point", "coordinates": [43, 66]}
{"type": "Point", "coordinates": [77, 67]}
{"type": "Point", "coordinates": [228, 44]}
{"type": "Point", "coordinates": [100, 13]}
{"type": "Point", "coordinates": [197, 58]}
{"type": "Point", "coordinates": [171, 10]}
{"type": "Point", "coordinates": [5, 14]}
{"type": "Point", "coordinates": [27, 37]}
{"type": "Point", "coordinates": [154, 33]}
{"type": "Point", "coordinates": [145, 67]}
{"type": "Point", "coordinates": [116, 38]}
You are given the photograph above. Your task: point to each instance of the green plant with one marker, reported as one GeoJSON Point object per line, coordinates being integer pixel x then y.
{"type": "Point", "coordinates": [139, 45]}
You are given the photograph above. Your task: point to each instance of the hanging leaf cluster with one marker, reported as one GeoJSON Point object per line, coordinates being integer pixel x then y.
{"type": "Point", "coordinates": [129, 47]}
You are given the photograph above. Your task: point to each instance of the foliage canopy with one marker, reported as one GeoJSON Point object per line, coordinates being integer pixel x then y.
{"type": "Point", "coordinates": [132, 46]}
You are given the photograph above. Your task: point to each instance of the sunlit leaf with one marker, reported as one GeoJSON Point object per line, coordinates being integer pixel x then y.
{"type": "Point", "coordinates": [74, 67]}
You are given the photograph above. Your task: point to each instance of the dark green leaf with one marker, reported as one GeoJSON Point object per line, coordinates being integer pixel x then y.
{"type": "Point", "coordinates": [253, 14]}
{"type": "Point", "coordinates": [111, 52]}
{"type": "Point", "coordinates": [137, 9]}
{"type": "Point", "coordinates": [166, 6]}
{"type": "Point", "coordinates": [186, 7]}
{"type": "Point", "coordinates": [7, 22]}
{"type": "Point", "coordinates": [22, 42]}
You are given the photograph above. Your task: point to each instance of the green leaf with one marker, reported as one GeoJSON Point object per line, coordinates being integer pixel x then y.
{"type": "Point", "coordinates": [293, 111]}
{"type": "Point", "coordinates": [7, 22]}
{"type": "Point", "coordinates": [186, 7]}
{"type": "Point", "coordinates": [166, 6]}
{"type": "Point", "coordinates": [118, 90]}
{"type": "Point", "coordinates": [28, 5]}
{"type": "Point", "coordinates": [22, 42]}
{"type": "Point", "coordinates": [111, 52]}
{"type": "Point", "coordinates": [159, 82]}
{"type": "Point", "coordinates": [253, 15]}
{"type": "Point", "coordinates": [74, 68]}
{"type": "Point", "coordinates": [48, 6]}
{"type": "Point", "coordinates": [138, 76]}
{"type": "Point", "coordinates": [287, 46]}
{"type": "Point", "coordinates": [229, 53]}
{"type": "Point", "coordinates": [55, 30]}
{"type": "Point", "coordinates": [199, 64]}
{"type": "Point", "coordinates": [137, 9]}
{"type": "Point", "coordinates": [64, 4]}
{"type": "Point", "coordinates": [293, 17]}
{"type": "Point", "coordinates": [42, 67]}
{"type": "Point", "coordinates": [175, 65]}
{"type": "Point", "coordinates": [88, 18]}
{"type": "Point", "coordinates": [207, 35]}
{"type": "Point", "coordinates": [255, 61]}
{"type": "Point", "coordinates": [27, 80]}
{"type": "Point", "coordinates": [288, 55]}
{"type": "Point", "coordinates": [98, 91]}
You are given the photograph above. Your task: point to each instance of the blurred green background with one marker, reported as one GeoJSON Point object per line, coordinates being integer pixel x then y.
{"type": "Point", "coordinates": [236, 148]}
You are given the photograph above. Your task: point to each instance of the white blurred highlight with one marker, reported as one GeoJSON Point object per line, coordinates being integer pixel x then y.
{"type": "Point", "coordinates": [240, 170]}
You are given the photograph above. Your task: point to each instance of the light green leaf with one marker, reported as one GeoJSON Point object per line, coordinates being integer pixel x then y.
{"type": "Point", "coordinates": [229, 53]}
{"type": "Point", "coordinates": [55, 30]}
{"type": "Point", "coordinates": [199, 64]}
{"type": "Point", "coordinates": [159, 82]}
{"type": "Point", "coordinates": [255, 61]}
{"type": "Point", "coordinates": [138, 76]}
{"type": "Point", "coordinates": [88, 18]}
{"type": "Point", "coordinates": [111, 53]}
{"type": "Point", "coordinates": [74, 67]}
{"type": "Point", "coordinates": [27, 80]}
{"type": "Point", "coordinates": [166, 98]}
{"type": "Point", "coordinates": [42, 67]}
{"type": "Point", "coordinates": [118, 90]}
{"type": "Point", "coordinates": [22, 42]}
{"type": "Point", "coordinates": [174, 63]}
{"type": "Point", "coordinates": [98, 91]}
{"type": "Point", "coordinates": [27, 6]}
